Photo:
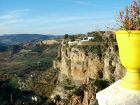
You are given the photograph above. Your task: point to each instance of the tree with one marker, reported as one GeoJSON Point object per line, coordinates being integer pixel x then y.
{"type": "Point", "coordinates": [72, 38]}
{"type": "Point", "coordinates": [3, 48]}
{"type": "Point", "coordinates": [15, 48]}
{"type": "Point", "coordinates": [66, 36]}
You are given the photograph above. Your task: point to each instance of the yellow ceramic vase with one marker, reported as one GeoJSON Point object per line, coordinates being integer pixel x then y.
{"type": "Point", "coordinates": [129, 51]}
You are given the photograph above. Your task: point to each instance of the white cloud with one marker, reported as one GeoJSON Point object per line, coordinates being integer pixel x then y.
{"type": "Point", "coordinates": [6, 17]}
{"type": "Point", "coordinates": [84, 3]}
{"type": "Point", "coordinates": [63, 19]}
{"type": "Point", "coordinates": [17, 21]}
{"type": "Point", "coordinates": [19, 11]}
{"type": "Point", "coordinates": [13, 16]}
{"type": "Point", "coordinates": [55, 25]}
{"type": "Point", "coordinates": [79, 2]}
{"type": "Point", "coordinates": [14, 13]}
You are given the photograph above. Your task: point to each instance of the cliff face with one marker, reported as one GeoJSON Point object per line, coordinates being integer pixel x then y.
{"type": "Point", "coordinates": [84, 64]}
{"type": "Point", "coordinates": [77, 64]}
{"type": "Point", "coordinates": [81, 62]}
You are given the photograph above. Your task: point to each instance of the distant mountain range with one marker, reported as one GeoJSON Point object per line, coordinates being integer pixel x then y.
{"type": "Point", "coordinates": [2, 44]}
{"type": "Point", "coordinates": [12, 39]}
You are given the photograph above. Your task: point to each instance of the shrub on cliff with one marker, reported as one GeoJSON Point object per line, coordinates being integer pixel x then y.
{"type": "Point", "coordinates": [79, 91]}
{"type": "Point", "coordinates": [66, 36]}
{"type": "Point", "coordinates": [96, 49]}
{"type": "Point", "coordinates": [72, 38]}
{"type": "Point", "coordinates": [101, 84]}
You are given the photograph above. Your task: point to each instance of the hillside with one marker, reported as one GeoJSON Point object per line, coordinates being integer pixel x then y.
{"type": "Point", "coordinates": [19, 64]}
{"type": "Point", "coordinates": [26, 57]}
{"type": "Point", "coordinates": [63, 74]}
{"type": "Point", "coordinates": [13, 39]}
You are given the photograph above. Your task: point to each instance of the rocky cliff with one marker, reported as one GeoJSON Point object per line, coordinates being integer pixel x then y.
{"type": "Point", "coordinates": [87, 69]}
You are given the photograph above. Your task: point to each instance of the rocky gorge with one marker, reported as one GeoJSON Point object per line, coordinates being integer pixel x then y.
{"type": "Point", "coordinates": [86, 69]}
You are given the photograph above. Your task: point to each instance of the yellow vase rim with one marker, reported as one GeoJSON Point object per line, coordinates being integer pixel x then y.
{"type": "Point", "coordinates": [128, 32]}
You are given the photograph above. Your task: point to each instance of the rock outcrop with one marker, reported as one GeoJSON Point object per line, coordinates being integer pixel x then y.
{"type": "Point", "coordinates": [49, 42]}
{"type": "Point", "coordinates": [85, 64]}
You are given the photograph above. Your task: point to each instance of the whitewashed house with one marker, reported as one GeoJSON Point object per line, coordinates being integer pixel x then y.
{"type": "Point", "coordinates": [86, 41]}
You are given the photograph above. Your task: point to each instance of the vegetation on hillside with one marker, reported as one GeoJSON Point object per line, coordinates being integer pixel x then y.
{"type": "Point", "coordinates": [27, 57]}
{"type": "Point", "coordinates": [23, 67]}
{"type": "Point", "coordinates": [13, 39]}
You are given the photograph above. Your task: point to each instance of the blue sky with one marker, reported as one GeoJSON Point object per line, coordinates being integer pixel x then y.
{"type": "Point", "coordinates": [58, 16]}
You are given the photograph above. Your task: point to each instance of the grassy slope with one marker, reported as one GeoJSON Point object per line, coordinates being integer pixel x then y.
{"type": "Point", "coordinates": [30, 57]}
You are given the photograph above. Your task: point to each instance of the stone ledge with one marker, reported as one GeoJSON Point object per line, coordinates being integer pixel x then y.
{"type": "Point", "coordinates": [117, 95]}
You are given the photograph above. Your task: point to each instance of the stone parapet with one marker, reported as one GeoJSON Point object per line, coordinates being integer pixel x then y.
{"type": "Point", "coordinates": [117, 95]}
